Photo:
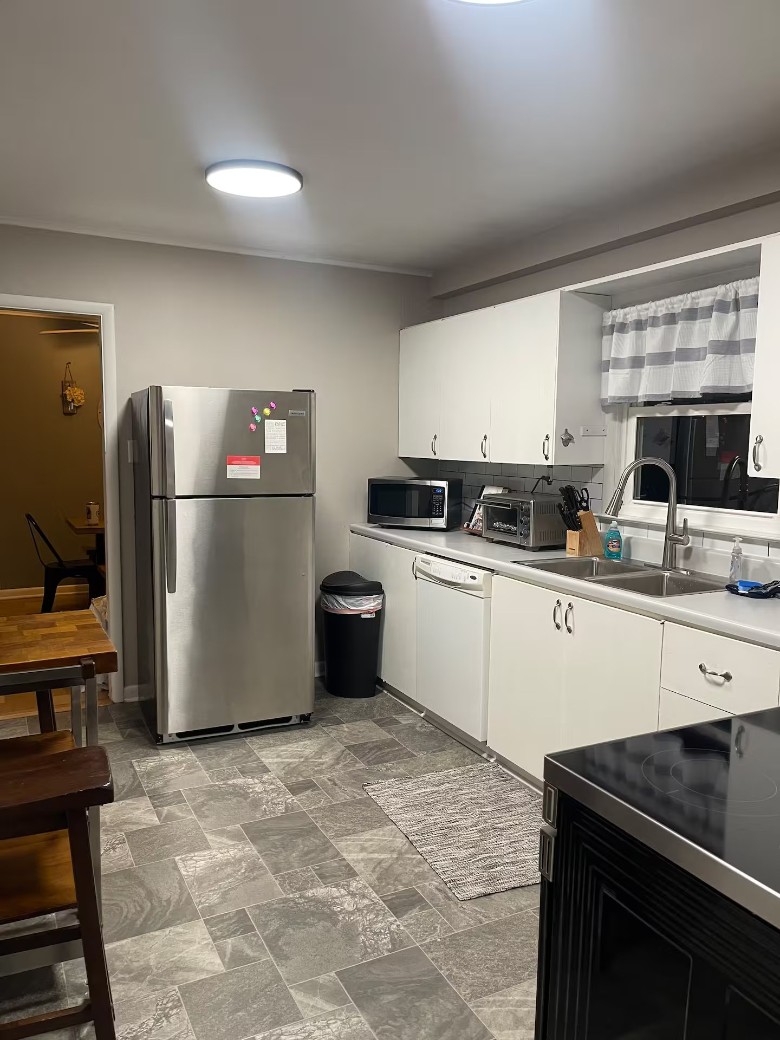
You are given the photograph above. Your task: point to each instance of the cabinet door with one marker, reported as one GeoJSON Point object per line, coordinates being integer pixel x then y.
{"type": "Point", "coordinates": [392, 565]}
{"type": "Point", "coordinates": [525, 691]}
{"type": "Point", "coordinates": [764, 454]}
{"type": "Point", "coordinates": [578, 382]}
{"type": "Point", "coordinates": [419, 390]}
{"type": "Point", "coordinates": [466, 385]}
{"type": "Point", "coordinates": [522, 417]}
{"type": "Point", "coordinates": [676, 710]}
{"type": "Point", "coordinates": [612, 670]}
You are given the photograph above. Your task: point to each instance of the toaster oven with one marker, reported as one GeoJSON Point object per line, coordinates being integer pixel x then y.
{"type": "Point", "coordinates": [408, 502]}
{"type": "Point", "coordinates": [528, 521]}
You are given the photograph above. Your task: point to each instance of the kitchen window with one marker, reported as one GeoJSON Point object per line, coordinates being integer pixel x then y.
{"type": "Point", "coordinates": [680, 372]}
{"type": "Point", "coordinates": [707, 446]}
{"type": "Point", "coordinates": [709, 454]}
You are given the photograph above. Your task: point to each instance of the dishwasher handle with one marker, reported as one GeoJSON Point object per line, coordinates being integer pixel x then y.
{"type": "Point", "coordinates": [422, 572]}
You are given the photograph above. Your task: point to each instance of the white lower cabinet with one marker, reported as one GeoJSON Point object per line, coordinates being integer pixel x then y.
{"type": "Point", "coordinates": [675, 710]}
{"type": "Point", "coordinates": [566, 672]}
{"type": "Point", "coordinates": [733, 676]}
{"type": "Point", "coordinates": [612, 671]}
{"type": "Point", "coordinates": [525, 700]}
{"type": "Point", "coordinates": [392, 565]}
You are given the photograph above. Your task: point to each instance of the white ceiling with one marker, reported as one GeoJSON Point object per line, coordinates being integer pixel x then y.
{"type": "Point", "coordinates": [425, 129]}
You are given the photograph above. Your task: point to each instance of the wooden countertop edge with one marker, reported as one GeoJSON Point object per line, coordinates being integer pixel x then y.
{"type": "Point", "coordinates": [57, 640]}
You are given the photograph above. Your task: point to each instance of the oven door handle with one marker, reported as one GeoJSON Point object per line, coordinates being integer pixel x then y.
{"type": "Point", "coordinates": [494, 505]}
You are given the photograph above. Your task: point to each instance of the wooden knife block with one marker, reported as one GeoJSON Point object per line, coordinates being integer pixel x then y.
{"type": "Point", "coordinates": [586, 542]}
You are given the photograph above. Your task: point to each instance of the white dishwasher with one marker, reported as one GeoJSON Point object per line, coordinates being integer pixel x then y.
{"type": "Point", "coordinates": [453, 642]}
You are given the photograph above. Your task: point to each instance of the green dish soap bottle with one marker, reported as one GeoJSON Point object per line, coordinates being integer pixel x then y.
{"type": "Point", "coordinates": [613, 543]}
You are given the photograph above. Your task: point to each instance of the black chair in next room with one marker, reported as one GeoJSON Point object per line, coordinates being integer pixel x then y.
{"type": "Point", "coordinates": [58, 570]}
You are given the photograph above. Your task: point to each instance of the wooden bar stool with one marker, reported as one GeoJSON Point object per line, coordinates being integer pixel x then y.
{"type": "Point", "coordinates": [47, 786]}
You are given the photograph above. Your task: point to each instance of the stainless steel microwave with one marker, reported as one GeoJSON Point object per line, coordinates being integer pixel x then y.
{"type": "Point", "coordinates": [402, 502]}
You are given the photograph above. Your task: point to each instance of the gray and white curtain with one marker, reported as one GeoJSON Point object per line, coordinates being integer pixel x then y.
{"type": "Point", "coordinates": [685, 347]}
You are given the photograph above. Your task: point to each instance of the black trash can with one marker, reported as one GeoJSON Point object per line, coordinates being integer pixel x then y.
{"type": "Point", "coordinates": [351, 606]}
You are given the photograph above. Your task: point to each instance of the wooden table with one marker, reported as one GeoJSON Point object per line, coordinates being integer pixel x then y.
{"type": "Point", "coordinates": [42, 652]}
{"type": "Point", "coordinates": [82, 528]}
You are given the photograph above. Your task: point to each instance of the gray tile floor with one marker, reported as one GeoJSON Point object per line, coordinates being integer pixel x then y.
{"type": "Point", "coordinates": [252, 890]}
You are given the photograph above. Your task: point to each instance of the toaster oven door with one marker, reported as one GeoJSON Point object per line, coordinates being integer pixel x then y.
{"type": "Point", "coordinates": [502, 522]}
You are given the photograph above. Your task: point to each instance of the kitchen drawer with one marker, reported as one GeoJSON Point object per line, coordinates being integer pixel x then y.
{"type": "Point", "coordinates": [675, 710]}
{"type": "Point", "coordinates": [747, 677]}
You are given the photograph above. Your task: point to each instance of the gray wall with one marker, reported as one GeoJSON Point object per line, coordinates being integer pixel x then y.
{"type": "Point", "coordinates": [186, 316]}
{"type": "Point", "coordinates": [711, 235]}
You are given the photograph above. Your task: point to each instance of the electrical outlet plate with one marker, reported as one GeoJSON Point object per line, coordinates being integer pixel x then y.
{"type": "Point", "coordinates": [593, 431]}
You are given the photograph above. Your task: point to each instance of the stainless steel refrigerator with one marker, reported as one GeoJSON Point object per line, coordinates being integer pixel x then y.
{"type": "Point", "coordinates": [224, 512]}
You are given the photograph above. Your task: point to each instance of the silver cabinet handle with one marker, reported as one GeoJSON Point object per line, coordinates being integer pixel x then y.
{"type": "Point", "coordinates": [433, 443]}
{"type": "Point", "coordinates": [546, 447]}
{"type": "Point", "coordinates": [725, 676]}
{"type": "Point", "coordinates": [557, 614]}
{"type": "Point", "coordinates": [484, 447]}
{"type": "Point", "coordinates": [738, 741]}
{"type": "Point", "coordinates": [756, 464]}
{"type": "Point", "coordinates": [569, 614]}
{"type": "Point", "coordinates": [170, 544]}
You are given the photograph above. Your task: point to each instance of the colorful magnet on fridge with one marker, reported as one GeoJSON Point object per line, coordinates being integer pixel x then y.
{"type": "Point", "coordinates": [273, 406]}
{"type": "Point", "coordinates": [254, 410]}
{"type": "Point", "coordinates": [266, 411]}
{"type": "Point", "coordinates": [252, 427]}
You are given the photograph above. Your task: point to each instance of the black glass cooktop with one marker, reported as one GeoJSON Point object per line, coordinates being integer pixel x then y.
{"type": "Point", "coordinates": [714, 786]}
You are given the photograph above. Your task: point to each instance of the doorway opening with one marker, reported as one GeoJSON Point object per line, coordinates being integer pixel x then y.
{"type": "Point", "coordinates": [52, 522]}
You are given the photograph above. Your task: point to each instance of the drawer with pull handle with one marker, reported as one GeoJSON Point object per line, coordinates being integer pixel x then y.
{"type": "Point", "coordinates": [726, 673]}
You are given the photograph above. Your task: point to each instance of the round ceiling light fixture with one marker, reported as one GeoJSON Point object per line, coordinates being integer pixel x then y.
{"type": "Point", "coordinates": [253, 179]}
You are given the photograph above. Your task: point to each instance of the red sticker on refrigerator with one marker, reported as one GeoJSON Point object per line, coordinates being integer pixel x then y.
{"type": "Point", "coordinates": [243, 467]}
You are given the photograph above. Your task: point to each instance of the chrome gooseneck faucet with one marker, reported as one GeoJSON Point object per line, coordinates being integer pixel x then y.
{"type": "Point", "coordinates": [672, 537]}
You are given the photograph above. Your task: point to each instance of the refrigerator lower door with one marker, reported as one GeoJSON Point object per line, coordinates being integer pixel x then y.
{"type": "Point", "coordinates": [234, 608]}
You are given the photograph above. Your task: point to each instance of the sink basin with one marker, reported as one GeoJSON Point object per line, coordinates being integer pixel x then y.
{"type": "Point", "coordinates": [585, 566]}
{"type": "Point", "coordinates": [663, 583]}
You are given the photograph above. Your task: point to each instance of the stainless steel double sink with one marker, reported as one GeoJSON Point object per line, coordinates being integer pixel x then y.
{"type": "Point", "coordinates": [631, 576]}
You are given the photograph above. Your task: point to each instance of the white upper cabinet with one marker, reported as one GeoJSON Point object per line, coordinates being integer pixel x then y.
{"type": "Point", "coordinates": [516, 383]}
{"type": "Point", "coordinates": [525, 362]}
{"type": "Point", "coordinates": [764, 456]}
{"type": "Point", "coordinates": [419, 390]}
{"type": "Point", "coordinates": [466, 384]}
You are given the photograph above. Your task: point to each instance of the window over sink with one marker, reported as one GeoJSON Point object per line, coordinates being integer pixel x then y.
{"type": "Point", "coordinates": [709, 454]}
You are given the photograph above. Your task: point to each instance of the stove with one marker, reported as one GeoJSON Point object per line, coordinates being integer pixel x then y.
{"type": "Point", "coordinates": [706, 797]}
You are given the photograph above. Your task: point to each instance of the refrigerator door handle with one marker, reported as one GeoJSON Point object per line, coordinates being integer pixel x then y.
{"type": "Point", "coordinates": [169, 457]}
{"type": "Point", "coordinates": [170, 545]}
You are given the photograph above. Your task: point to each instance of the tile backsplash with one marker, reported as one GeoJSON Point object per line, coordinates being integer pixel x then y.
{"type": "Point", "coordinates": [708, 552]}
{"type": "Point", "coordinates": [522, 478]}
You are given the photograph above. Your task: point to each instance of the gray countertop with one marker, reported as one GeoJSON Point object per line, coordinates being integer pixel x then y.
{"type": "Point", "coordinates": [752, 621]}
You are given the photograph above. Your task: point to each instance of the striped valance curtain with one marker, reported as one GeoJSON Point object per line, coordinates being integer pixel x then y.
{"type": "Point", "coordinates": [686, 347]}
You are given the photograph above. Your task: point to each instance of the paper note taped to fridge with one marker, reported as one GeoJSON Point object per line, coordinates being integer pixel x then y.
{"type": "Point", "coordinates": [243, 467]}
{"type": "Point", "coordinates": [275, 436]}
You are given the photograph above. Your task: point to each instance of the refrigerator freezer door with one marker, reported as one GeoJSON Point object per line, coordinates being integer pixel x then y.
{"type": "Point", "coordinates": [236, 637]}
{"type": "Point", "coordinates": [202, 443]}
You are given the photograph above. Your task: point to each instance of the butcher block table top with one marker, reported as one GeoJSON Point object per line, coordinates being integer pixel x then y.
{"type": "Point", "coordinates": [59, 640]}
